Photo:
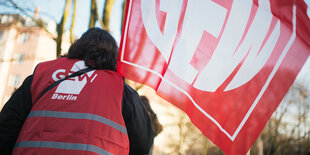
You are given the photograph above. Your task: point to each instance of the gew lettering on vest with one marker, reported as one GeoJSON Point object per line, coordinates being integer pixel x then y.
{"type": "Point", "coordinates": [72, 85]}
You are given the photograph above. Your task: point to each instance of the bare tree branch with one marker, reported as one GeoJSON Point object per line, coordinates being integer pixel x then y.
{"type": "Point", "coordinates": [17, 7]}
{"type": "Point", "coordinates": [73, 22]}
{"type": "Point", "coordinates": [37, 21]}
{"type": "Point", "coordinates": [107, 10]}
{"type": "Point", "coordinates": [61, 27]}
{"type": "Point", "coordinates": [93, 14]}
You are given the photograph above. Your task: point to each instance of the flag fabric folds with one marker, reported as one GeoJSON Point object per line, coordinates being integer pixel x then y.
{"type": "Point", "coordinates": [226, 64]}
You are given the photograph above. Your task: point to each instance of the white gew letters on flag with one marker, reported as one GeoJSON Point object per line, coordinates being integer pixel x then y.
{"type": "Point", "coordinates": [200, 15]}
{"type": "Point", "coordinates": [227, 56]}
{"type": "Point", "coordinates": [192, 30]}
{"type": "Point", "coordinates": [164, 42]}
{"type": "Point", "coordinates": [206, 15]}
{"type": "Point", "coordinates": [226, 64]}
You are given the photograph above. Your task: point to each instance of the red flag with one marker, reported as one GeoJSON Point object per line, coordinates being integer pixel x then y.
{"type": "Point", "coordinates": [227, 64]}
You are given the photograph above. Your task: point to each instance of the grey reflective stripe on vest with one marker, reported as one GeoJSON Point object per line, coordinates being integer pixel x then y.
{"type": "Point", "coordinates": [61, 145]}
{"type": "Point", "coordinates": [58, 114]}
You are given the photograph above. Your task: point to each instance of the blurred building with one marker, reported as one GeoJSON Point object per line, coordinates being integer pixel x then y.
{"type": "Point", "coordinates": [22, 46]}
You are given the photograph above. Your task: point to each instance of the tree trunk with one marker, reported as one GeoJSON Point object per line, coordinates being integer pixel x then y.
{"type": "Point", "coordinates": [73, 22]}
{"type": "Point", "coordinates": [61, 27]}
{"type": "Point", "coordinates": [249, 152]}
{"type": "Point", "coordinates": [206, 145]}
{"type": "Point", "coordinates": [260, 146]}
{"type": "Point", "coordinates": [107, 10]}
{"type": "Point", "coordinates": [93, 14]}
{"type": "Point", "coordinates": [123, 14]}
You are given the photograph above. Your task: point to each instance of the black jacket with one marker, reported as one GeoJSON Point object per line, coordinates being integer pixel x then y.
{"type": "Point", "coordinates": [17, 108]}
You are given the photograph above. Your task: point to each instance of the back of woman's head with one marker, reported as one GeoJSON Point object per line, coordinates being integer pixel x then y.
{"type": "Point", "coordinates": [97, 48]}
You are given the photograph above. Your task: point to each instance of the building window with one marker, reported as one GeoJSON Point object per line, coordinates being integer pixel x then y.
{"type": "Point", "coordinates": [4, 19]}
{"type": "Point", "coordinates": [1, 35]}
{"type": "Point", "coordinates": [19, 58]}
{"type": "Point", "coordinates": [14, 80]}
{"type": "Point", "coordinates": [24, 37]}
{"type": "Point", "coordinates": [11, 19]}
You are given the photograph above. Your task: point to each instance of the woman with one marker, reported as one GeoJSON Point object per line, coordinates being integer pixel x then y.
{"type": "Point", "coordinates": [95, 112]}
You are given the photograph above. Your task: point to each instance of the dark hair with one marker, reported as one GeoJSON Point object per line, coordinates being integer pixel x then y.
{"type": "Point", "coordinates": [97, 48]}
{"type": "Point", "coordinates": [157, 127]}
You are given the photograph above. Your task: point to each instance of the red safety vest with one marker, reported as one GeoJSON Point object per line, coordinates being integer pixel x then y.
{"type": "Point", "coordinates": [82, 115]}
